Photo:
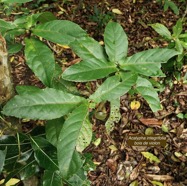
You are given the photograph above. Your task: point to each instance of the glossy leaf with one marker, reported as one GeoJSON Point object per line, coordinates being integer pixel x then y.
{"type": "Point", "coordinates": [45, 153]}
{"type": "Point", "coordinates": [145, 88]}
{"type": "Point", "coordinates": [116, 43]}
{"type": "Point", "coordinates": [67, 157]}
{"type": "Point", "coordinates": [52, 178]}
{"type": "Point", "coordinates": [40, 59]}
{"type": "Point", "coordinates": [113, 88]}
{"type": "Point", "coordinates": [162, 30]}
{"type": "Point", "coordinates": [59, 31]}
{"type": "Point", "coordinates": [148, 62]}
{"type": "Point", "coordinates": [42, 104]}
{"type": "Point", "coordinates": [2, 159]}
{"type": "Point", "coordinates": [53, 128]}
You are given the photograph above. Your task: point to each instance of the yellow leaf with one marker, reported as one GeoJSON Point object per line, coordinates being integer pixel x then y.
{"type": "Point", "coordinates": [135, 105]}
{"type": "Point", "coordinates": [117, 11]}
{"type": "Point", "coordinates": [97, 142]}
{"type": "Point", "coordinates": [11, 182]}
{"type": "Point", "coordinates": [64, 46]}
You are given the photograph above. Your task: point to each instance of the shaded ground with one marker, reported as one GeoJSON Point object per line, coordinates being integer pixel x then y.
{"type": "Point", "coordinates": [117, 163]}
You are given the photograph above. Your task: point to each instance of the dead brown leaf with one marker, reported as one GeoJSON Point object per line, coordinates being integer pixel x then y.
{"type": "Point", "coordinates": [151, 121]}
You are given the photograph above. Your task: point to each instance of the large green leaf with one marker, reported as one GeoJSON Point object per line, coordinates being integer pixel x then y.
{"type": "Point", "coordinates": [162, 30]}
{"type": "Point", "coordinates": [85, 71]}
{"type": "Point", "coordinates": [42, 104]}
{"type": "Point", "coordinates": [67, 156]}
{"type": "Point", "coordinates": [52, 178]}
{"type": "Point", "coordinates": [148, 62]}
{"type": "Point", "coordinates": [5, 26]}
{"type": "Point", "coordinates": [40, 59]}
{"type": "Point", "coordinates": [113, 88]}
{"type": "Point", "coordinates": [59, 31]}
{"type": "Point", "coordinates": [94, 65]}
{"type": "Point", "coordinates": [2, 159]}
{"type": "Point", "coordinates": [89, 50]}
{"type": "Point", "coordinates": [145, 88]}
{"type": "Point", "coordinates": [53, 128]}
{"type": "Point", "coordinates": [45, 154]}
{"type": "Point", "coordinates": [116, 43]}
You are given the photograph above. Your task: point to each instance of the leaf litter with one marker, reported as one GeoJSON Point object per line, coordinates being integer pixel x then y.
{"type": "Point", "coordinates": [117, 163]}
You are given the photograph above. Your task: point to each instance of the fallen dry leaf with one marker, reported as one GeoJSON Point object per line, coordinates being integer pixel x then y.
{"type": "Point", "coordinates": [151, 121]}
{"type": "Point", "coordinates": [112, 165]}
{"type": "Point", "coordinates": [159, 177]}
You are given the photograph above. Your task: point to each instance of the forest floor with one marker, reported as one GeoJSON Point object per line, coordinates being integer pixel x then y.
{"type": "Point", "coordinates": [118, 164]}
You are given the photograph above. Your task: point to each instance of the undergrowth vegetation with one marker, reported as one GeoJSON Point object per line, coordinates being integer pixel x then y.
{"type": "Point", "coordinates": [57, 153]}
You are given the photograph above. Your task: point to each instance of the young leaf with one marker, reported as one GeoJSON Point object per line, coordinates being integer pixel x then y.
{"type": "Point", "coordinates": [148, 62]}
{"type": "Point", "coordinates": [52, 178]}
{"type": "Point", "coordinates": [2, 159]}
{"type": "Point", "coordinates": [60, 31]}
{"type": "Point", "coordinates": [88, 71]}
{"type": "Point", "coordinates": [45, 153]}
{"type": "Point", "coordinates": [68, 138]}
{"type": "Point", "coordinates": [46, 104]}
{"type": "Point", "coordinates": [40, 59]}
{"type": "Point", "coordinates": [53, 128]}
{"type": "Point", "coordinates": [145, 88]}
{"type": "Point", "coordinates": [116, 43]}
{"type": "Point", "coordinates": [162, 30]}
{"type": "Point", "coordinates": [177, 29]}
{"type": "Point", "coordinates": [173, 7]}
{"type": "Point", "coordinates": [113, 86]}
{"type": "Point", "coordinates": [85, 136]}
{"type": "Point", "coordinates": [151, 157]}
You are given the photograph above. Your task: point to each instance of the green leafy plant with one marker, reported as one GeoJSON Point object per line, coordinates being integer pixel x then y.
{"type": "Point", "coordinates": [59, 149]}
{"type": "Point", "coordinates": [177, 39]}
{"type": "Point", "coordinates": [101, 18]}
{"type": "Point", "coordinates": [169, 4]}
